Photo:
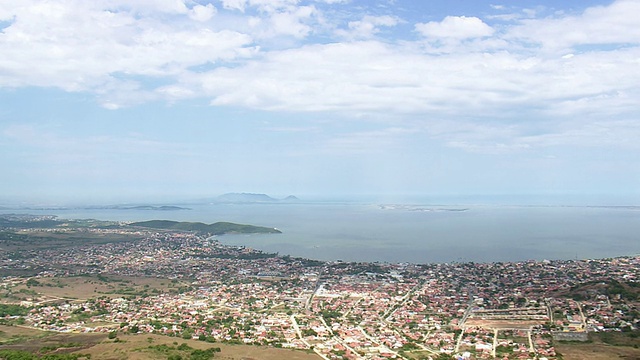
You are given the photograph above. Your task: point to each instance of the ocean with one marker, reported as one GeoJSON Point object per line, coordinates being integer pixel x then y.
{"type": "Point", "coordinates": [411, 233]}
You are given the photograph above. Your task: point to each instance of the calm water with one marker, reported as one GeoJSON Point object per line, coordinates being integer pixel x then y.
{"type": "Point", "coordinates": [357, 232]}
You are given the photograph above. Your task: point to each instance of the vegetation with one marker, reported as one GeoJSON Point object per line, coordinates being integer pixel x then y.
{"type": "Point", "coordinates": [49, 222]}
{"type": "Point", "coordinates": [218, 228]}
{"type": "Point", "coordinates": [6, 354]}
{"type": "Point", "coordinates": [184, 351]}
{"type": "Point", "coordinates": [626, 291]}
{"type": "Point", "coordinates": [331, 314]}
{"type": "Point", "coordinates": [410, 346]}
{"type": "Point", "coordinates": [13, 310]}
{"type": "Point", "coordinates": [622, 338]}
{"type": "Point", "coordinates": [443, 356]}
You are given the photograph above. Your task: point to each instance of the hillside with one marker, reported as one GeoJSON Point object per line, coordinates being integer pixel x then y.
{"type": "Point", "coordinates": [218, 228]}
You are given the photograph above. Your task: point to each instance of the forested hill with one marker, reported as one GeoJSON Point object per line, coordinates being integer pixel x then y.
{"type": "Point", "coordinates": [218, 228]}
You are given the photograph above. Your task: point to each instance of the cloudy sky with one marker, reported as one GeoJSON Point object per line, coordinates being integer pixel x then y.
{"type": "Point", "coordinates": [116, 100]}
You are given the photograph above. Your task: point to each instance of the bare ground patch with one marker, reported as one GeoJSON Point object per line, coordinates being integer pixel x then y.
{"type": "Point", "coordinates": [92, 286]}
{"type": "Point", "coordinates": [597, 352]}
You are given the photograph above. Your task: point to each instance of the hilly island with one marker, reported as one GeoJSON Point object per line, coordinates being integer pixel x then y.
{"type": "Point", "coordinates": [218, 228]}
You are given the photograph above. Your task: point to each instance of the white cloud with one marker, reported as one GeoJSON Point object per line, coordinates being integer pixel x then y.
{"type": "Point", "coordinates": [455, 27]}
{"type": "Point", "coordinates": [239, 5]}
{"type": "Point", "coordinates": [126, 53]}
{"type": "Point", "coordinates": [87, 48]}
{"type": "Point", "coordinates": [202, 13]}
{"type": "Point", "coordinates": [144, 6]}
{"type": "Point", "coordinates": [613, 24]}
{"type": "Point", "coordinates": [291, 23]}
{"type": "Point", "coordinates": [271, 6]}
{"type": "Point", "coordinates": [371, 76]}
{"type": "Point", "coordinates": [333, 1]}
{"type": "Point", "coordinates": [266, 20]}
{"type": "Point", "coordinates": [368, 26]}
{"type": "Point", "coordinates": [356, 76]}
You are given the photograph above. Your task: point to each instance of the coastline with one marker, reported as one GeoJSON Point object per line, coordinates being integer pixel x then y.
{"type": "Point", "coordinates": [364, 232]}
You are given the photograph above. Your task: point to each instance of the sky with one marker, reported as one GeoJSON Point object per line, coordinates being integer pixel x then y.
{"type": "Point", "coordinates": [109, 101]}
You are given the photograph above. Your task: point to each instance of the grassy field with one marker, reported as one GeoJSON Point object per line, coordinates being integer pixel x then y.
{"type": "Point", "coordinates": [12, 334]}
{"type": "Point", "coordinates": [135, 347]}
{"type": "Point", "coordinates": [597, 351]}
{"type": "Point", "coordinates": [603, 346]}
{"type": "Point", "coordinates": [86, 287]}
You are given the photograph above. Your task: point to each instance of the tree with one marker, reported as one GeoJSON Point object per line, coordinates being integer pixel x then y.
{"type": "Point", "coordinates": [33, 282]}
{"type": "Point", "coordinates": [444, 356]}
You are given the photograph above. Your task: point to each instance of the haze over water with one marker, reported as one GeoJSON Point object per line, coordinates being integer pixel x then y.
{"type": "Point", "coordinates": [413, 233]}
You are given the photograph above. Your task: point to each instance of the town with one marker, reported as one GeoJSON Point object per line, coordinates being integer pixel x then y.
{"type": "Point", "coordinates": [338, 310]}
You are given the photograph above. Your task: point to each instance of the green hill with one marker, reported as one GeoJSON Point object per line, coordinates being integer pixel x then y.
{"type": "Point", "coordinates": [218, 228]}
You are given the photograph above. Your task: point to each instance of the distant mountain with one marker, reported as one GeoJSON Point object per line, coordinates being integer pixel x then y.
{"type": "Point", "coordinates": [236, 198]}
{"type": "Point", "coordinates": [244, 198]}
{"type": "Point", "coordinates": [218, 228]}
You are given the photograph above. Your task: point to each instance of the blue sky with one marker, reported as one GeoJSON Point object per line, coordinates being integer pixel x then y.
{"type": "Point", "coordinates": [113, 101]}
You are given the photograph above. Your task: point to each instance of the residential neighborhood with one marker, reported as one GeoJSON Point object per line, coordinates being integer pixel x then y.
{"type": "Point", "coordinates": [339, 310]}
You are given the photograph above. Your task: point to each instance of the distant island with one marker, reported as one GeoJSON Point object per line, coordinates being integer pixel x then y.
{"type": "Point", "coordinates": [26, 221]}
{"type": "Point", "coordinates": [236, 198]}
{"type": "Point", "coordinates": [99, 207]}
{"type": "Point", "coordinates": [420, 208]}
{"type": "Point", "coordinates": [139, 207]}
{"type": "Point", "coordinates": [218, 228]}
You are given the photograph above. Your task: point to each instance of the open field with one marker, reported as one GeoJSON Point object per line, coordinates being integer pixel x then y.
{"type": "Point", "coordinates": [15, 334]}
{"type": "Point", "coordinates": [139, 347]}
{"type": "Point", "coordinates": [85, 287]}
{"type": "Point", "coordinates": [597, 351]}
{"type": "Point", "coordinates": [603, 346]}
{"type": "Point", "coordinates": [52, 340]}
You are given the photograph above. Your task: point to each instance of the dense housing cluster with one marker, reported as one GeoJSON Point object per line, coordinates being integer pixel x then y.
{"type": "Point", "coordinates": [338, 310]}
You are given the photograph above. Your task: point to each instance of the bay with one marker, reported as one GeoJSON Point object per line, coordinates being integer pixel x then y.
{"type": "Point", "coordinates": [411, 233]}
